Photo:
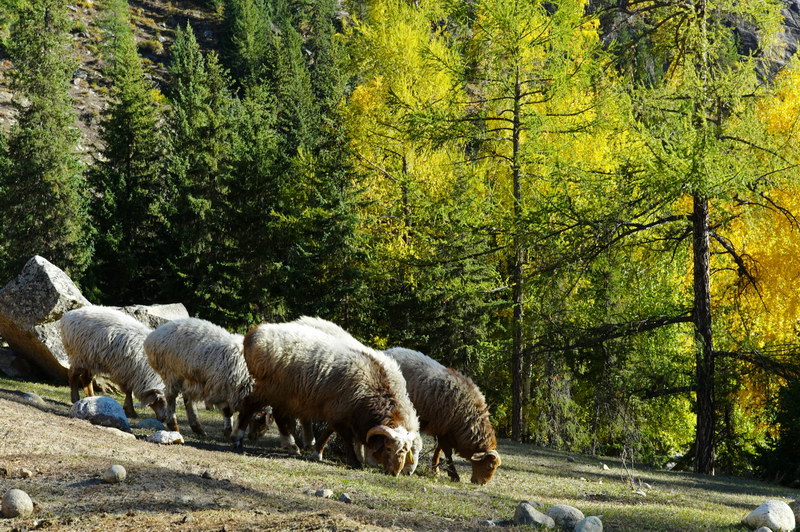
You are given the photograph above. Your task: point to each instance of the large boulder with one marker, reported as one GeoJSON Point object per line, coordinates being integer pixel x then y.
{"type": "Point", "coordinates": [154, 316]}
{"type": "Point", "coordinates": [101, 410]}
{"type": "Point", "coordinates": [775, 515]}
{"type": "Point", "coordinates": [30, 307]}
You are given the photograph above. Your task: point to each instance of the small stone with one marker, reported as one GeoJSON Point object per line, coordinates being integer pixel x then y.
{"type": "Point", "coordinates": [646, 486]}
{"type": "Point", "coordinates": [526, 514]}
{"type": "Point", "coordinates": [117, 432]}
{"type": "Point", "coordinates": [589, 524]}
{"type": "Point", "coordinates": [186, 499]}
{"type": "Point", "coordinates": [324, 493]}
{"type": "Point", "coordinates": [640, 492]}
{"type": "Point", "coordinates": [25, 473]}
{"type": "Point", "coordinates": [309, 492]}
{"type": "Point", "coordinates": [605, 467]}
{"type": "Point", "coordinates": [187, 518]}
{"type": "Point", "coordinates": [17, 503]}
{"type": "Point", "coordinates": [33, 399]}
{"type": "Point", "coordinates": [583, 479]}
{"type": "Point", "coordinates": [487, 522]}
{"type": "Point", "coordinates": [150, 424]}
{"type": "Point", "coordinates": [115, 474]}
{"type": "Point", "coordinates": [570, 459]}
{"type": "Point", "coordinates": [101, 410]}
{"type": "Point", "coordinates": [345, 498]}
{"type": "Point", "coordinates": [165, 437]}
{"type": "Point", "coordinates": [206, 475]}
{"type": "Point", "coordinates": [565, 516]}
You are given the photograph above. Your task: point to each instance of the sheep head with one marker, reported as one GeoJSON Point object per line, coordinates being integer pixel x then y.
{"type": "Point", "coordinates": [388, 448]}
{"type": "Point", "coordinates": [260, 423]}
{"type": "Point", "coordinates": [156, 400]}
{"type": "Point", "coordinates": [483, 466]}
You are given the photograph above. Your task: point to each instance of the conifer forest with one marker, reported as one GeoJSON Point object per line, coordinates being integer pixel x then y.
{"type": "Point", "coordinates": [590, 207]}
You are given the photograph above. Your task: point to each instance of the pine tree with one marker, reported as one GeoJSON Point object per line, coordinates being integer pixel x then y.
{"type": "Point", "coordinates": [45, 189]}
{"type": "Point", "coordinates": [131, 206]}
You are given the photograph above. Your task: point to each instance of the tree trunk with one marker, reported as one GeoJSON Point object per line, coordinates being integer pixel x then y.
{"type": "Point", "coordinates": [518, 349]}
{"type": "Point", "coordinates": [704, 434]}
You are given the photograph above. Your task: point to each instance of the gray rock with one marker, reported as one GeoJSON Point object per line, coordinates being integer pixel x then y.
{"type": "Point", "coordinates": [101, 410]}
{"type": "Point", "coordinates": [117, 432]}
{"type": "Point", "coordinates": [150, 424]}
{"type": "Point", "coordinates": [565, 516]}
{"type": "Point", "coordinates": [154, 316]}
{"type": "Point", "coordinates": [536, 504]}
{"type": "Point", "coordinates": [345, 498]}
{"type": "Point", "coordinates": [324, 493]}
{"type": "Point", "coordinates": [775, 515]}
{"type": "Point", "coordinates": [30, 307]}
{"type": "Point", "coordinates": [589, 524]}
{"type": "Point", "coordinates": [25, 473]}
{"type": "Point", "coordinates": [33, 398]}
{"type": "Point", "coordinates": [605, 467]}
{"type": "Point", "coordinates": [570, 459]}
{"type": "Point", "coordinates": [18, 367]}
{"type": "Point", "coordinates": [115, 474]}
{"type": "Point", "coordinates": [17, 503]}
{"type": "Point", "coordinates": [487, 522]}
{"type": "Point", "coordinates": [166, 437]}
{"type": "Point", "coordinates": [763, 529]}
{"type": "Point", "coordinates": [526, 514]}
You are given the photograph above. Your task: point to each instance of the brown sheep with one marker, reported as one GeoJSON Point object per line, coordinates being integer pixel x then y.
{"type": "Point", "coordinates": [453, 409]}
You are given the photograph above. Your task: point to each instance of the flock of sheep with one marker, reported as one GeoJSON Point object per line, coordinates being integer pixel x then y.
{"type": "Point", "coordinates": [307, 370]}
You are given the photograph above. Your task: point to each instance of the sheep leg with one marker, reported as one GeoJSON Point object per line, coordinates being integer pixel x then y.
{"type": "Point", "coordinates": [347, 437]}
{"type": "Point", "coordinates": [172, 391]}
{"type": "Point", "coordinates": [319, 446]}
{"type": "Point", "coordinates": [226, 421]}
{"type": "Point", "coordinates": [286, 426]}
{"type": "Point", "coordinates": [128, 405]}
{"type": "Point", "coordinates": [76, 382]}
{"type": "Point", "coordinates": [308, 435]}
{"type": "Point", "coordinates": [436, 456]}
{"type": "Point", "coordinates": [250, 406]}
{"type": "Point", "coordinates": [451, 466]}
{"type": "Point", "coordinates": [191, 414]}
{"type": "Point", "coordinates": [89, 385]}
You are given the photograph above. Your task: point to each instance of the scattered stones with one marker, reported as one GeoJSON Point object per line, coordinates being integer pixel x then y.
{"type": "Point", "coordinates": [33, 398]}
{"type": "Point", "coordinates": [324, 493]}
{"type": "Point", "coordinates": [345, 498]}
{"type": "Point", "coordinates": [25, 473]}
{"type": "Point", "coordinates": [150, 424]}
{"type": "Point", "coordinates": [526, 514]}
{"type": "Point", "coordinates": [565, 516]}
{"type": "Point", "coordinates": [775, 515]}
{"type": "Point", "coordinates": [101, 410]}
{"type": "Point", "coordinates": [589, 524]}
{"type": "Point", "coordinates": [166, 437]}
{"type": "Point", "coordinates": [605, 467]}
{"type": "Point", "coordinates": [115, 474]}
{"type": "Point", "coordinates": [30, 307]}
{"type": "Point", "coordinates": [17, 503]}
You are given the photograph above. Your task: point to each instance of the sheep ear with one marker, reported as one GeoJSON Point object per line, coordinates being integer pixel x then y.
{"type": "Point", "coordinates": [381, 430]}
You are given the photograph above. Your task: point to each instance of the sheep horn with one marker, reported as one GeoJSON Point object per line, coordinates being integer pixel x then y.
{"type": "Point", "coordinates": [477, 457]}
{"type": "Point", "coordinates": [381, 430]}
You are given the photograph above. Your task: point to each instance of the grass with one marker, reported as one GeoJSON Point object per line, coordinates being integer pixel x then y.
{"type": "Point", "coordinates": [266, 484]}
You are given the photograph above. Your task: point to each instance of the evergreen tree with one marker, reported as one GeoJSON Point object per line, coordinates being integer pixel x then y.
{"type": "Point", "coordinates": [45, 190]}
{"type": "Point", "coordinates": [131, 205]}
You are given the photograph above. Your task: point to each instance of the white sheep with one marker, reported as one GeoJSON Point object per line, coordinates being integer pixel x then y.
{"type": "Point", "coordinates": [308, 374]}
{"type": "Point", "coordinates": [204, 362]}
{"type": "Point", "coordinates": [342, 335]}
{"type": "Point", "coordinates": [107, 342]}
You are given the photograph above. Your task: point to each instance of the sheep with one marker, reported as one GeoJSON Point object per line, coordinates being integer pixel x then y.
{"type": "Point", "coordinates": [307, 374]}
{"type": "Point", "coordinates": [202, 361]}
{"type": "Point", "coordinates": [336, 331]}
{"type": "Point", "coordinates": [105, 341]}
{"type": "Point", "coordinates": [452, 409]}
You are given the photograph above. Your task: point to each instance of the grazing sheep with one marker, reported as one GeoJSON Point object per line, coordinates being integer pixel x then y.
{"type": "Point", "coordinates": [104, 341]}
{"type": "Point", "coordinates": [337, 332]}
{"type": "Point", "coordinates": [453, 409]}
{"type": "Point", "coordinates": [307, 374]}
{"type": "Point", "coordinates": [202, 361]}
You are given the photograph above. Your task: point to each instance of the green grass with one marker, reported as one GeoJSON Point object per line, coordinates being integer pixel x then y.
{"type": "Point", "coordinates": [267, 476]}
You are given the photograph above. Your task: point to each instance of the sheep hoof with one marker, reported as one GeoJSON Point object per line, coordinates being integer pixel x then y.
{"type": "Point", "coordinates": [316, 456]}
{"type": "Point", "coordinates": [238, 447]}
{"type": "Point", "coordinates": [200, 431]}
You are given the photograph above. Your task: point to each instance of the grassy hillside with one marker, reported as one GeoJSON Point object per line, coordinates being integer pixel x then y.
{"type": "Point", "coordinates": [264, 488]}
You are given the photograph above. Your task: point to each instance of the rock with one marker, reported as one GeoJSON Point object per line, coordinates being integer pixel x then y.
{"type": "Point", "coordinates": [589, 524]}
{"type": "Point", "coordinates": [18, 367]}
{"type": "Point", "coordinates": [17, 503]}
{"type": "Point", "coordinates": [763, 529]}
{"type": "Point", "coordinates": [536, 504]}
{"type": "Point", "coordinates": [565, 516]}
{"type": "Point", "coordinates": [101, 410]}
{"type": "Point", "coordinates": [115, 474]}
{"type": "Point", "coordinates": [117, 432]}
{"type": "Point", "coordinates": [776, 515]}
{"type": "Point", "coordinates": [150, 424]}
{"type": "Point", "coordinates": [25, 473]}
{"type": "Point", "coordinates": [33, 399]}
{"type": "Point", "coordinates": [526, 514]}
{"type": "Point", "coordinates": [646, 486]}
{"type": "Point", "coordinates": [309, 492]}
{"type": "Point", "coordinates": [345, 498]}
{"type": "Point", "coordinates": [154, 316]}
{"type": "Point", "coordinates": [640, 492]}
{"type": "Point", "coordinates": [570, 459]}
{"type": "Point", "coordinates": [795, 506]}
{"type": "Point", "coordinates": [166, 437]}
{"type": "Point", "coordinates": [324, 493]}
{"type": "Point", "coordinates": [605, 467]}
{"type": "Point", "coordinates": [30, 307]}
{"type": "Point", "coordinates": [487, 522]}
{"type": "Point", "coordinates": [206, 475]}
